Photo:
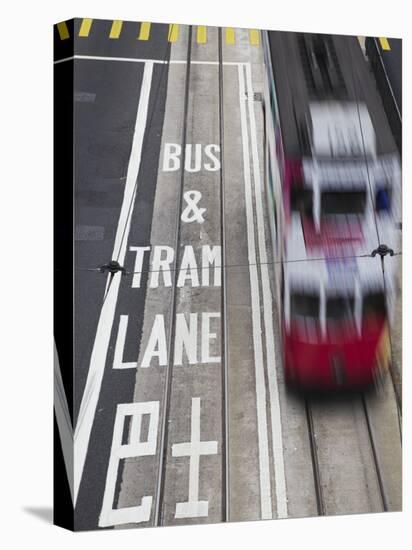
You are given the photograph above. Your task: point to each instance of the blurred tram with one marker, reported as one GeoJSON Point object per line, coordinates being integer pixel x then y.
{"type": "Point", "coordinates": [334, 187]}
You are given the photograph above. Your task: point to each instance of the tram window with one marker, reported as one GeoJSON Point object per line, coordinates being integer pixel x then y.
{"type": "Point", "coordinates": [304, 305]}
{"type": "Point", "coordinates": [301, 200]}
{"type": "Point", "coordinates": [339, 307]}
{"type": "Point", "coordinates": [374, 304]}
{"type": "Point", "coordinates": [343, 202]}
{"type": "Point", "coordinates": [383, 199]}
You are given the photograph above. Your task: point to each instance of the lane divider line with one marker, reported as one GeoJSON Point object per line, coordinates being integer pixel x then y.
{"type": "Point", "coordinates": [384, 43]}
{"type": "Point", "coordinates": [230, 35]}
{"type": "Point", "coordinates": [64, 423]}
{"type": "Point", "coordinates": [173, 32]}
{"type": "Point", "coordinates": [201, 35]}
{"type": "Point", "coordinates": [116, 29]}
{"type": "Point", "coordinates": [254, 37]}
{"type": "Point", "coordinates": [144, 33]}
{"type": "Point", "coordinates": [276, 419]}
{"type": "Point", "coordinates": [97, 365]}
{"type": "Point", "coordinates": [260, 387]}
{"type": "Point", "coordinates": [85, 28]}
{"type": "Point", "coordinates": [63, 30]}
{"type": "Point", "coordinates": [142, 60]}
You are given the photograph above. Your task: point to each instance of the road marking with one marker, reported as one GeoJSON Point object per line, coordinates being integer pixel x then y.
{"type": "Point", "coordinates": [192, 213]}
{"type": "Point", "coordinates": [254, 37]}
{"type": "Point", "coordinates": [101, 343]}
{"type": "Point", "coordinates": [194, 62]}
{"type": "Point", "coordinates": [194, 507]}
{"type": "Point", "coordinates": [173, 33]}
{"type": "Point", "coordinates": [64, 423]}
{"type": "Point", "coordinates": [384, 43]}
{"type": "Point", "coordinates": [116, 29]}
{"type": "Point", "coordinates": [141, 60]}
{"type": "Point", "coordinates": [111, 58]}
{"type": "Point", "coordinates": [63, 30]}
{"type": "Point", "coordinates": [277, 440]}
{"type": "Point", "coordinates": [144, 33]}
{"type": "Point", "coordinates": [264, 470]}
{"type": "Point", "coordinates": [85, 28]}
{"type": "Point", "coordinates": [118, 362]}
{"type": "Point", "coordinates": [134, 448]}
{"type": "Point", "coordinates": [230, 35]}
{"type": "Point", "coordinates": [201, 35]}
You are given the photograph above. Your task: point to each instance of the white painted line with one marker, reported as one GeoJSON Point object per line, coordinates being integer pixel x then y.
{"type": "Point", "coordinates": [277, 440]}
{"type": "Point", "coordinates": [264, 471]}
{"type": "Point", "coordinates": [192, 61]}
{"type": "Point", "coordinates": [194, 449]}
{"type": "Point", "coordinates": [104, 328]}
{"type": "Point", "coordinates": [64, 422]}
{"type": "Point", "coordinates": [63, 60]}
{"type": "Point", "coordinates": [140, 60]}
{"type": "Point", "coordinates": [109, 58]}
{"type": "Point", "coordinates": [134, 448]}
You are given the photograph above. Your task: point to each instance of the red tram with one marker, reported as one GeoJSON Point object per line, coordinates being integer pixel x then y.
{"type": "Point", "coordinates": [334, 186]}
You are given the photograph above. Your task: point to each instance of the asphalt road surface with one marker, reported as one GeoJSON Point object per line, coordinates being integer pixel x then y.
{"type": "Point", "coordinates": [391, 53]}
{"type": "Point", "coordinates": [181, 414]}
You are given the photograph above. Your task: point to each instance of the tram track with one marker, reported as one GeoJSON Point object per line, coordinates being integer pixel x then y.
{"type": "Point", "coordinates": [315, 460]}
{"type": "Point", "coordinates": [322, 472]}
{"type": "Point", "coordinates": [159, 516]}
{"type": "Point", "coordinates": [164, 440]}
{"type": "Point", "coordinates": [224, 338]}
{"type": "Point", "coordinates": [375, 455]}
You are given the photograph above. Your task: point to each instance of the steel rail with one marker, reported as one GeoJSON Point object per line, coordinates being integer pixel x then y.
{"type": "Point", "coordinates": [164, 439]}
{"type": "Point", "coordinates": [315, 460]}
{"type": "Point", "coordinates": [223, 305]}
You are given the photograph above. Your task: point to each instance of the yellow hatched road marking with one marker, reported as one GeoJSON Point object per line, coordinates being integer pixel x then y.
{"type": "Point", "coordinates": [254, 37]}
{"type": "Point", "coordinates": [63, 30]}
{"type": "Point", "coordinates": [384, 43]}
{"type": "Point", "coordinates": [201, 34]}
{"type": "Point", "coordinates": [144, 33]}
{"type": "Point", "coordinates": [173, 32]}
{"type": "Point", "coordinates": [230, 35]}
{"type": "Point", "coordinates": [116, 29]}
{"type": "Point", "coordinates": [85, 27]}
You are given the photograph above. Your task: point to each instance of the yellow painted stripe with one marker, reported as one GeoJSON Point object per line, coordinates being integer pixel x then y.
{"type": "Point", "coordinates": [63, 30]}
{"type": "Point", "coordinates": [254, 37]}
{"type": "Point", "coordinates": [201, 36]}
{"type": "Point", "coordinates": [85, 27]}
{"type": "Point", "coordinates": [116, 29]}
{"type": "Point", "coordinates": [230, 35]}
{"type": "Point", "coordinates": [384, 43]}
{"type": "Point", "coordinates": [144, 33]}
{"type": "Point", "coordinates": [173, 32]}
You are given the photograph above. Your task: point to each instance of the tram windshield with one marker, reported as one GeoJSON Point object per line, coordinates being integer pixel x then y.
{"type": "Point", "coordinates": [304, 304]}
{"type": "Point", "coordinates": [374, 304]}
{"type": "Point", "coordinates": [343, 202]}
{"type": "Point", "coordinates": [339, 308]}
{"type": "Point", "coordinates": [301, 200]}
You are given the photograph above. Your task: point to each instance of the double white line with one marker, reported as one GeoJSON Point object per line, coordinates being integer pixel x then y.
{"type": "Point", "coordinates": [246, 89]}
